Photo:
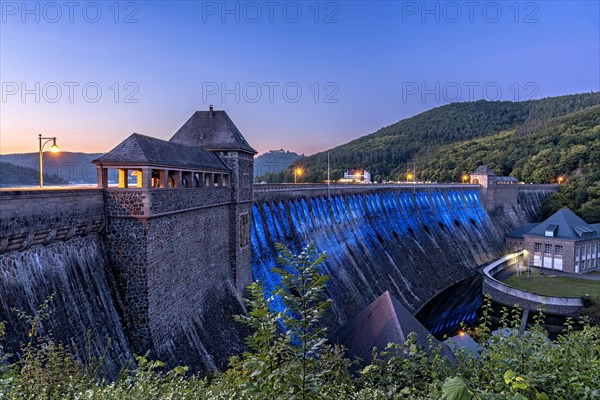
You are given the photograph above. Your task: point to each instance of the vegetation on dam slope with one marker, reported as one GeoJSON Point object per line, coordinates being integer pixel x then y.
{"type": "Point", "coordinates": [299, 363]}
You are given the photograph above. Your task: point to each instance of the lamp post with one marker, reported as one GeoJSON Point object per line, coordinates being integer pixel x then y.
{"type": "Point", "coordinates": [53, 149]}
{"type": "Point", "coordinates": [297, 172]}
{"type": "Point", "coordinates": [328, 178]}
{"type": "Point", "coordinates": [465, 178]}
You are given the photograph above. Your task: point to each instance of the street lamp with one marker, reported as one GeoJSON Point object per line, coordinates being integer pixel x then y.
{"type": "Point", "coordinates": [53, 149]}
{"type": "Point", "coordinates": [297, 172]}
{"type": "Point", "coordinates": [561, 179]}
{"type": "Point", "coordinates": [409, 177]}
{"type": "Point", "coordinates": [465, 178]}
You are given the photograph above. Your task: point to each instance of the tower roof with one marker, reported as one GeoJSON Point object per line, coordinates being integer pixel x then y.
{"type": "Point", "coordinates": [564, 224]}
{"type": "Point", "coordinates": [212, 130]}
{"type": "Point", "coordinates": [483, 170]}
{"type": "Point", "coordinates": [142, 150]}
{"type": "Point", "coordinates": [383, 321]}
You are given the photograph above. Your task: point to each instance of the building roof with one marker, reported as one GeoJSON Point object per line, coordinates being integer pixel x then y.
{"type": "Point", "coordinates": [383, 321]}
{"type": "Point", "coordinates": [520, 231]}
{"type": "Point", "coordinates": [564, 224]}
{"type": "Point", "coordinates": [483, 170]}
{"type": "Point", "coordinates": [463, 341]}
{"type": "Point", "coordinates": [142, 150]}
{"type": "Point", "coordinates": [212, 130]}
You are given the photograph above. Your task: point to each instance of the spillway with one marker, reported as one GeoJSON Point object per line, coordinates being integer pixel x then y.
{"type": "Point", "coordinates": [74, 273]}
{"type": "Point", "coordinates": [413, 243]}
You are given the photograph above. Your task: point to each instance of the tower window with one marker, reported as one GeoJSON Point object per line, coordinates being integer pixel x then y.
{"type": "Point", "coordinates": [244, 230]}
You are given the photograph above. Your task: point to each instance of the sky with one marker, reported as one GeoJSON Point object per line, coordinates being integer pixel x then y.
{"type": "Point", "coordinates": [300, 75]}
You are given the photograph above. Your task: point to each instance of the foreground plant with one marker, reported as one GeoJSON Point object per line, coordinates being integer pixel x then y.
{"type": "Point", "coordinates": [289, 355]}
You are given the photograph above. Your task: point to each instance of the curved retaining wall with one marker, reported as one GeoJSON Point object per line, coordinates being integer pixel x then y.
{"type": "Point", "coordinates": [510, 296]}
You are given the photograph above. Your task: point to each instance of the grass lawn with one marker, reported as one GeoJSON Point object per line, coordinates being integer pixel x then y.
{"type": "Point", "coordinates": [562, 286]}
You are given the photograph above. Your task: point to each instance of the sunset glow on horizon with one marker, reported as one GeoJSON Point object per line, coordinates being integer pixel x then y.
{"type": "Point", "coordinates": [301, 76]}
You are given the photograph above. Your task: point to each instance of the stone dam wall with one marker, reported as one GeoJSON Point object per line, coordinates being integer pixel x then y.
{"type": "Point", "coordinates": [53, 247]}
{"type": "Point", "coordinates": [177, 295]}
{"type": "Point", "coordinates": [414, 243]}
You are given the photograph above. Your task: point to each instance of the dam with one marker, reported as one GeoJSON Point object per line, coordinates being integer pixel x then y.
{"type": "Point", "coordinates": [158, 264]}
{"type": "Point", "coordinates": [413, 242]}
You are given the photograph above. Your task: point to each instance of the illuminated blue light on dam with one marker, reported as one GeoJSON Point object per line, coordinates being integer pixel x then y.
{"type": "Point", "coordinates": [413, 244]}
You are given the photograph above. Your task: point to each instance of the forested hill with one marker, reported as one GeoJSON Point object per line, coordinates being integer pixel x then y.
{"type": "Point", "coordinates": [567, 146]}
{"type": "Point", "coordinates": [15, 175]}
{"type": "Point", "coordinates": [274, 161]}
{"type": "Point", "coordinates": [388, 152]}
{"type": "Point", "coordinates": [66, 166]}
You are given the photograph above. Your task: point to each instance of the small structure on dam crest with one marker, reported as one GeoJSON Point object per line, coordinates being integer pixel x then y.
{"type": "Point", "coordinates": [178, 236]}
{"type": "Point", "coordinates": [495, 190]}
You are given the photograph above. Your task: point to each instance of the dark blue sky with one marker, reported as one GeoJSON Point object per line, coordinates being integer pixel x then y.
{"type": "Point", "coordinates": [304, 76]}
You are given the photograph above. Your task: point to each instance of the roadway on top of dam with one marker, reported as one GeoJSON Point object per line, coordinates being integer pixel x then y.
{"type": "Point", "coordinates": [265, 187]}
{"type": "Point", "coordinates": [280, 187]}
{"type": "Point", "coordinates": [266, 192]}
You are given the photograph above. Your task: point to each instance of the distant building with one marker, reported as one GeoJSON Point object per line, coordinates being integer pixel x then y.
{"type": "Point", "coordinates": [563, 242]}
{"type": "Point", "coordinates": [356, 176]}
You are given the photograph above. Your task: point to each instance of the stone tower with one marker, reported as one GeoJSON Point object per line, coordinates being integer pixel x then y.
{"type": "Point", "coordinates": [177, 235]}
{"type": "Point", "coordinates": [214, 131]}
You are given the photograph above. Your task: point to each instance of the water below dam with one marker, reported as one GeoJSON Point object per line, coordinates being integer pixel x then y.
{"type": "Point", "coordinates": [456, 305]}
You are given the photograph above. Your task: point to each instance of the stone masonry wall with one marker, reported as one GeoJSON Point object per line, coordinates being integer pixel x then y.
{"type": "Point", "coordinates": [120, 203]}
{"type": "Point", "coordinates": [191, 290]}
{"type": "Point", "coordinates": [173, 274]}
{"type": "Point", "coordinates": [127, 242]}
{"type": "Point", "coordinates": [174, 199]}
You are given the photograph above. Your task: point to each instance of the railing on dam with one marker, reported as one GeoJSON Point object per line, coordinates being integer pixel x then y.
{"type": "Point", "coordinates": [282, 187]}
{"type": "Point", "coordinates": [509, 296]}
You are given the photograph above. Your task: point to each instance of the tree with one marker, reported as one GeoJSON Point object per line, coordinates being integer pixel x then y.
{"type": "Point", "coordinates": [289, 354]}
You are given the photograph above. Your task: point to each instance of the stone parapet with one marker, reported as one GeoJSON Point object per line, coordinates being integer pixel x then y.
{"type": "Point", "coordinates": [41, 217]}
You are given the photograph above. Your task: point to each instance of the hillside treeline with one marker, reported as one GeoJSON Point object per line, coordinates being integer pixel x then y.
{"type": "Point", "coordinates": [536, 141]}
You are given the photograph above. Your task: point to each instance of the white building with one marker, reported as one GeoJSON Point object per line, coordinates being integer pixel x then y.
{"type": "Point", "coordinates": [356, 176]}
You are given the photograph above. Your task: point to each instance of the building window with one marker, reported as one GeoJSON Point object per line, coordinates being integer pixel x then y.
{"type": "Point", "coordinates": [537, 247]}
{"type": "Point", "coordinates": [558, 250]}
{"type": "Point", "coordinates": [548, 248]}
